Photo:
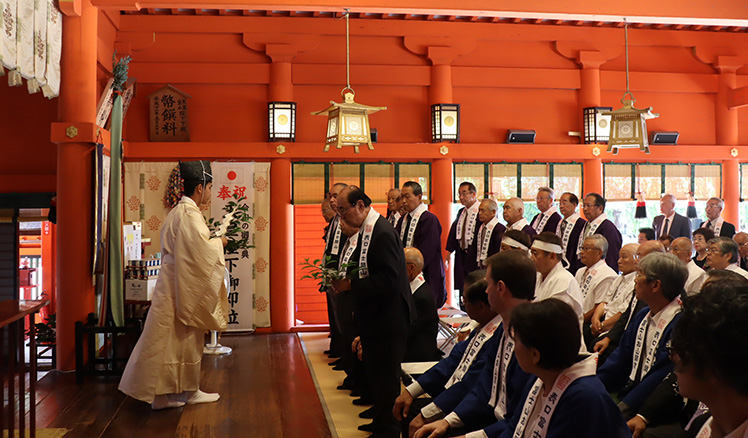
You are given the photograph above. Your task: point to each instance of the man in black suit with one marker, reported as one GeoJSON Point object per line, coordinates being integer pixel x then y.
{"type": "Point", "coordinates": [714, 220]}
{"type": "Point", "coordinates": [548, 218]}
{"type": "Point", "coordinates": [334, 241]}
{"type": "Point", "coordinates": [382, 302]}
{"type": "Point", "coordinates": [421, 345]}
{"type": "Point", "coordinates": [670, 222]}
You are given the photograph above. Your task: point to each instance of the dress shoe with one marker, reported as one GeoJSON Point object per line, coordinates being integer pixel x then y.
{"type": "Point", "coordinates": [344, 387]}
{"type": "Point", "coordinates": [355, 393]}
{"type": "Point", "coordinates": [335, 362]}
{"type": "Point", "coordinates": [326, 352]}
{"type": "Point", "coordinates": [369, 413]}
{"type": "Point", "coordinates": [362, 402]}
{"type": "Point", "coordinates": [338, 367]}
{"type": "Point", "coordinates": [367, 427]}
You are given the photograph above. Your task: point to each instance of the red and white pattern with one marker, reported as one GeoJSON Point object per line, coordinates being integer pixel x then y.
{"type": "Point", "coordinates": [133, 203]}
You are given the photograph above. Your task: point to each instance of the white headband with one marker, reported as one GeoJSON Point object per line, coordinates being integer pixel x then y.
{"type": "Point", "coordinates": [513, 243]}
{"type": "Point", "coordinates": [547, 247]}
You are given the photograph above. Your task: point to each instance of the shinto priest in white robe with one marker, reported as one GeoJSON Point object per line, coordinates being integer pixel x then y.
{"type": "Point", "coordinates": [189, 299]}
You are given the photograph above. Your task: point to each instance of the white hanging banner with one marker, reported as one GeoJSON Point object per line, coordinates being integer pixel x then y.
{"type": "Point", "coordinates": [54, 51]}
{"type": "Point", "coordinates": [229, 179]}
{"type": "Point", "coordinates": [25, 38]}
{"type": "Point", "coordinates": [9, 14]}
{"type": "Point", "coordinates": [40, 44]}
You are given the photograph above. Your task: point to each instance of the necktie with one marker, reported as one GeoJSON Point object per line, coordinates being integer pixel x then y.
{"type": "Point", "coordinates": [709, 224]}
{"type": "Point", "coordinates": [664, 227]}
{"type": "Point", "coordinates": [406, 224]}
{"type": "Point", "coordinates": [463, 241]}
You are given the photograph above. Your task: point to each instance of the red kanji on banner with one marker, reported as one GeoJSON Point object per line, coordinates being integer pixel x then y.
{"type": "Point", "coordinates": [224, 193]}
{"type": "Point", "coordinates": [239, 190]}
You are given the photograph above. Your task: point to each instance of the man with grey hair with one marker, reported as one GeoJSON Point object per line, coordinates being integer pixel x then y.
{"type": "Point", "coordinates": [595, 279]}
{"type": "Point", "coordinates": [462, 238]}
{"type": "Point", "coordinates": [610, 340]}
{"type": "Point", "coordinates": [548, 218]}
{"type": "Point", "coordinates": [641, 362]}
{"type": "Point", "coordinates": [514, 212]}
{"type": "Point", "coordinates": [618, 296]}
{"type": "Point", "coordinates": [394, 203]}
{"type": "Point", "coordinates": [683, 249]}
{"type": "Point", "coordinates": [714, 220]}
{"type": "Point", "coordinates": [722, 253]}
{"type": "Point", "coordinates": [670, 222]}
{"type": "Point", "coordinates": [490, 232]}
{"type": "Point", "coordinates": [741, 239]}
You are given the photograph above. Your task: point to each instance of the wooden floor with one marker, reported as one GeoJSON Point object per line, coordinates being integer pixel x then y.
{"type": "Point", "coordinates": [265, 386]}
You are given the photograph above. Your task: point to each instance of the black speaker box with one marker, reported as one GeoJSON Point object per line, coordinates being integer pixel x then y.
{"type": "Point", "coordinates": [664, 138]}
{"type": "Point", "coordinates": [519, 136]}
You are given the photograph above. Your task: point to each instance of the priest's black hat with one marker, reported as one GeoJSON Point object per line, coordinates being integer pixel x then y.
{"type": "Point", "coordinates": [198, 171]}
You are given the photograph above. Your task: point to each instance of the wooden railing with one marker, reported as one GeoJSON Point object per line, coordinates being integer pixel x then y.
{"type": "Point", "coordinates": [13, 365]}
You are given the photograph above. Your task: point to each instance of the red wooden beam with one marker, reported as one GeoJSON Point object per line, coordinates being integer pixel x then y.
{"type": "Point", "coordinates": [738, 98]}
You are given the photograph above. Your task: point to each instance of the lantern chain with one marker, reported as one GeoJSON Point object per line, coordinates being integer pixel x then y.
{"type": "Point", "coordinates": [626, 40]}
{"type": "Point", "coordinates": [347, 49]}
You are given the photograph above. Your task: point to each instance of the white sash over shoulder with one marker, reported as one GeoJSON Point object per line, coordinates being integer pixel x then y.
{"type": "Point", "coordinates": [415, 216]}
{"type": "Point", "coordinates": [538, 420]}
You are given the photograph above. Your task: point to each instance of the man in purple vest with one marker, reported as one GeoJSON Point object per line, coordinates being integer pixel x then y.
{"type": "Point", "coordinates": [462, 235]}
{"type": "Point", "coordinates": [421, 229]}
{"type": "Point", "coordinates": [548, 218]}
{"type": "Point", "coordinates": [514, 215]}
{"type": "Point", "coordinates": [598, 223]}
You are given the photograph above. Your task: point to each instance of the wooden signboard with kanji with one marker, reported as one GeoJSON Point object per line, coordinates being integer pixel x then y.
{"type": "Point", "coordinates": [168, 115]}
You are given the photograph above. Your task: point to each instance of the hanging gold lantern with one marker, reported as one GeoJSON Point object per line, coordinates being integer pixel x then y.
{"type": "Point", "coordinates": [628, 127]}
{"type": "Point", "coordinates": [348, 121]}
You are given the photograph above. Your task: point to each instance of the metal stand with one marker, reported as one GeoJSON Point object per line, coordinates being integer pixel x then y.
{"type": "Point", "coordinates": [214, 347]}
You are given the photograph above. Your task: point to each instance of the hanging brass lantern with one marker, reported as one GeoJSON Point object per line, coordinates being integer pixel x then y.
{"type": "Point", "coordinates": [628, 127]}
{"type": "Point", "coordinates": [348, 121]}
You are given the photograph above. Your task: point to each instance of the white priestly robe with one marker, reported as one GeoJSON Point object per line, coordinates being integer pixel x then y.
{"type": "Point", "coordinates": [560, 284]}
{"type": "Point", "coordinates": [189, 298]}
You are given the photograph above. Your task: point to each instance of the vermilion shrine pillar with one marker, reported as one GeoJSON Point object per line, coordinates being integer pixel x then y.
{"type": "Point", "coordinates": [75, 135]}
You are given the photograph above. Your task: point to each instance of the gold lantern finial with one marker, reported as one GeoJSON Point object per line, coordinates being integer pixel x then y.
{"type": "Point", "coordinates": [628, 127]}
{"type": "Point", "coordinates": [348, 121]}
